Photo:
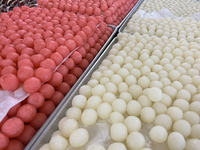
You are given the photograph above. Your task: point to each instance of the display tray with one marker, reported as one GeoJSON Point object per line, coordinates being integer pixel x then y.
{"type": "Point", "coordinates": [124, 23]}
{"type": "Point", "coordinates": [44, 133]}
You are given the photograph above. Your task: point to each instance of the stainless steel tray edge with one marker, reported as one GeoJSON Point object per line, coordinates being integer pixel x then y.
{"type": "Point", "coordinates": [53, 124]}
{"type": "Point", "coordinates": [129, 16]}
{"type": "Point", "coordinates": [130, 13]}
{"type": "Point", "coordinates": [56, 111]}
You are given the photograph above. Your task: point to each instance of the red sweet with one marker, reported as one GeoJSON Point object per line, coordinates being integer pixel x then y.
{"type": "Point", "coordinates": [93, 51]}
{"type": "Point", "coordinates": [26, 136]}
{"type": "Point", "coordinates": [13, 127]}
{"type": "Point", "coordinates": [38, 46]}
{"type": "Point", "coordinates": [13, 56]}
{"type": "Point", "coordinates": [4, 140]}
{"type": "Point", "coordinates": [63, 50]}
{"type": "Point", "coordinates": [36, 99]}
{"type": "Point", "coordinates": [26, 113]}
{"type": "Point", "coordinates": [69, 63]}
{"type": "Point", "coordinates": [97, 46]}
{"type": "Point", "coordinates": [82, 51]}
{"type": "Point", "coordinates": [89, 57]}
{"type": "Point", "coordinates": [104, 7]}
{"type": "Point", "coordinates": [36, 59]}
{"type": "Point", "coordinates": [47, 90]}
{"type": "Point", "coordinates": [76, 28]}
{"type": "Point", "coordinates": [57, 58]}
{"type": "Point", "coordinates": [25, 62]}
{"type": "Point", "coordinates": [14, 36]}
{"type": "Point", "coordinates": [28, 41]}
{"type": "Point", "coordinates": [47, 108]}
{"type": "Point", "coordinates": [32, 85]}
{"type": "Point", "coordinates": [9, 32]}
{"type": "Point", "coordinates": [82, 23]}
{"type": "Point", "coordinates": [82, 9]}
{"type": "Point", "coordinates": [13, 110]}
{"type": "Point", "coordinates": [87, 30]}
{"type": "Point", "coordinates": [91, 41]}
{"type": "Point", "coordinates": [45, 52]}
{"type": "Point", "coordinates": [70, 79]}
{"type": "Point", "coordinates": [48, 63]}
{"type": "Point", "coordinates": [56, 79]}
{"type": "Point", "coordinates": [57, 35]}
{"type": "Point", "coordinates": [62, 69]}
{"type": "Point", "coordinates": [57, 97]}
{"type": "Point", "coordinates": [63, 88]}
{"type": "Point", "coordinates": [9, 82]}
{"type": "Point", "coordinates": [38, 121]}
{"type": "Point", "coordinates": [24, 73]}
{"type": "Point", "coordinates": [9, 70]}
{"type": "Point", "coordinates": [82, 35]}
{"type": "Point", "coordinates": [71, 44]}
{"type": "Point", "coordinates": [3, 120]}
{"type": "Point", "coordinates": [97, 11]}
{"type": "Point", "coordinates": [52, 45]}
{"type": "Point", "coordinates": [7, 50]}
{"type": "Point", "coordinates": [79, 41]}
{"type": "Point", "coordinates": [76, 56]}
{"type": "Point", "coordinates": [20, 47]}
{"type": "Point", "coordinates": [68, 36]}
{"type": "Point", "coordinates": [28, 51]}
{"type": "Point", "coordinates": [76, 71]}
{"type": "Point", "coordinates": [15, 144]}
{"type": "Point", "coordinates": [83, 64]}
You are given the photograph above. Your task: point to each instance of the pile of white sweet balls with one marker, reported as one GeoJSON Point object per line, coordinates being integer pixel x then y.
{"type": "Point", "coordinates": [187, 28]}
{"type": "Point", "coordinates": [180, 8]}
{"type": "Point", "coordinates": [144, 79]}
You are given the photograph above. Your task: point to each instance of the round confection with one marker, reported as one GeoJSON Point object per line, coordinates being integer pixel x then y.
{"type": "Point", "coordinates": [182, 104]}
{"type": "Point", "coordinates": [104, 110]}
{"type": "Point", "coordinates": [116, 117]}
{"type": "Point", "coordinates": [163, 120]}
{"type": "Point", "coordinates": [183, 127]}
{"type": "Point", "coordinates": [85, 90]}
{"type": "Point", "coordinates": [116, 146]}
{"type": "Point", "coordinates": [125, 96]}
{"type": "Point", "coordinates": [74, 113]}
{"type": "Point", "coordinates": [132, 123]}
{"type": "Point", "coordinates": [79, 137]}
{"type": "Point", "coordinates": [93, 102]}
{"type": "Point", "coordinates": [97, 147]}
{"type": "Point", "coordinates": [155, 94]}
{"type": "Point", "coordinates": [170, 90]}
{"type": "Point", "coordinates": [108, 97]}
{"type": "Point", "coordinates": [68, 126]}
{"type": "Point", "coordinates": [158, 134]}
{"type": "Point", "coordinates": [119, 105]}
{"type": "Point", "coordinates": [98, 90]}
{"type": "Point", "coordinates": [192, 144]}
{"type": "Point", "coordinates": [89, 117]}
{"type": "Point", "coordinates": [159, 108]}
{"type": "Point", "coordinates": [79, 101]}
{"type": "Point", "coordinates": [143, 82]}
{"type": "Point", "coordinates": [118, 132]}
{"type": "Point", "coordinates": [111, 87]}
{"type": "Point", "coordinates": [174, 138]}
{"type": "Point", "coordinates": [183, 94]}
{"type": "Point", "coordinates": [175, 113]}
{"type": "Point", "coordinates": [195, 131]}
{"type": "Point", "coordinates": [58, 142]}
{"type": "Point", "coordinates": [135, 91]}
{"type": "Point", "coordinates": [134, 108]}
{"type": "Point", "coordinates": [166, 99]}
{"type": "Point", "coordinates": [147, 114]}
{"type": "Point", "coordinates": [192, 117]}
{"type": "Point", "coordinates": [144, 100]}
{"type": "Point", "coordinates": [194, 106]}
{"type": "Point", "coordinates": [123, 87]}
{"type": "Point", "coordinates": [135, 140]}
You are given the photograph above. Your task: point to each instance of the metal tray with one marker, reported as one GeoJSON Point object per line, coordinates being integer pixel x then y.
{"type": "Point", "coordinates": [52, 126]}
{"type": "Point", "coordinates": [129, 16]}
{"type": "Point", "coordinates": [65, 103]}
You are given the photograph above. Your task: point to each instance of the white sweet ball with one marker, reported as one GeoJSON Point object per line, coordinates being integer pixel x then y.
{"type": "Point", "coordinates": [182, 104]}
{"type": "Point", "coordinates": [115, 67]}
{"type": "Point", "coordinates": [97, 147]}
{"type": "Point", "coordinates": [157, 84]}
{"type": "Point", "coordinates": [176, 141]}
{"type": "Point", "coordinates": [97, 75]}
{"type": "Point", "coordinates": [61, 122]}
{"type": "Point", "coordinates": [175, 113]}
{"type": "Point", "coordinates": [119, 60]}
{"type": "Point", "coordinates": [192, 117]}
{"type": "Point", "coordinates": [163, 74]}
{"type": "Point", "coordinates": [134, 108]}
{"type": "Point", "coordinates": [123, 87]}
{"type": "Point", "coordinates": [185, 79]}
{"type": "Point", "coordinates": [145, 70]}
{"type": "Point", "coordinates": [143, 82]}
{"type": "Point", "coordinates": [192, 144]}
{"type": "Point", "coordinates": [170, 90]}
{"type": "Point", "coordinates": [132, 123]}
{"type": "Point", "coordinates": [58, 142]}
{"type": "Point", "coordinates": [117, 146]}
{"type": "Point", "coordinates": [145, 101]}
{"type": "Point", "coordinates": [93, 82]}
{"type": "Point", "coordinates": [183, 127]}
{"type": "Point", "coordinates": [191, 88]}
{"type": "Point", "coordinates": [159, 108]}
{"type": "Point", "coordinates": [104, 110]}
{"type": "Point", "coordinates": [135, 72]}
{"type": "Point", "coordinates": [79, 101]}
{"type": "Point", "coordinates": [89, 117]}
{"type": "Point", "coordinates": [130, 80]}
{"type": "Point", "coordinates": [183, 94]}
{"type": "Point", "coordinates": [108, 97]}
{"type": "Point", "coordinates": [116, 117]}
{"type": "Point", "coordinates": [111, 87]}
{"type": "Point", "coordinates": [166, 99]}
{"type": "Point", "coordinates": [195, 131]}
{"type": "Point", "coordinates": [45, 147]}
{"type": "Point", "coordinates": [93, 102]}
{"type": "Point", "coordinates": [146, 149]}
{"type": "Point", "coordinates": [68, 126]}
{"type": "Point", "coordinates": [58, 132]}
{"type": "Point", "coordinates": [196, 97]}
{"type": "Point", "coordinates": [119, 105]}
{"type": "Point", "coordinates": [158, 134]}
{"type": "Point", "coordinates": [85, 90]}
{"type": "Point", "coordinates": [74, 113]}
{"type": "Point", "coordinates": [79, 137]}
{"type": "Point", "coordinates": [147, 114]}
{"type": "Point", "coordinates": [137, 64]}
{"type": "Point", "coordinates": [126, 96]}
{"type": "Point", "coordinates": [153, 76]}
{"type": "Point", "coordinates": [123, 73]}
{"type": "Point", "coordinates": [118, 132]}
{"type": "Point", "coordinates": [177, 85]}
{"type": "Point", "coordinates": [165, 81]}
{"type": "Point", "coordinates": [98, 90]}
{"type": "Point", "coordinates": [107, 73]}
{"type": "Point", "coordinates": [155, 94]}
{"type": "Point", "coordinates": [135, 91]}
{"type": "Point", "coordinates": [164, 121]}
{"type": "Point", "coordinates": [135, 140]}
{"type": "Point", "coordinates": [116, 79]}
{"type": "Point", "coordinates": [174, 75]}
{"type": "Point", "coordinates": [194, 106]}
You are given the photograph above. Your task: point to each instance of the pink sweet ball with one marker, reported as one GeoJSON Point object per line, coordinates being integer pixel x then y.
{"type": "Point", "coordinates": [9, 82]}
{"type": "Point", "coordinates": [32, 85]}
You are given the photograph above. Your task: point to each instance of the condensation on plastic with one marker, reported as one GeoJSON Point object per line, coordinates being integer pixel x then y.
{"type": "Point", "coordinates": [8, 99]}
